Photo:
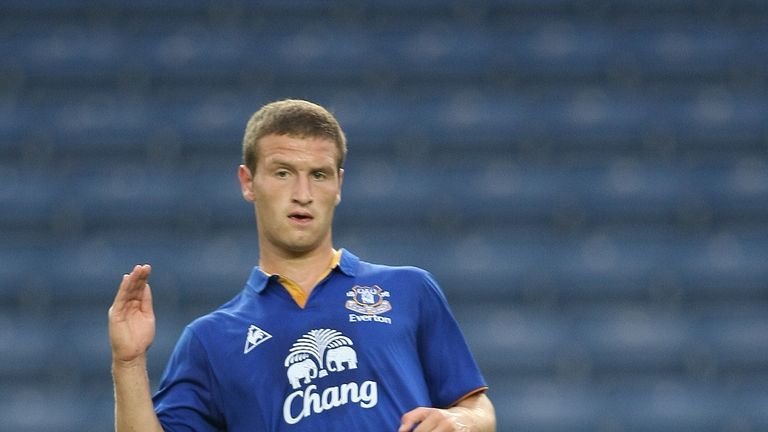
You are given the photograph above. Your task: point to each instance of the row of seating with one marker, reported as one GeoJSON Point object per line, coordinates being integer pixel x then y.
{"type": "Point", "coordinates": [404, 8]}
{"type": "Point", "coordinates": [506, 262]}
{"type": "Point", "coordinates": [618, 192]}
{"type": "Point", "coordinates": [643, 403]}
{"type": "Point", "coordinates": [164, 51]}
{"type": "Point", "coordinates": [604, 116]}
{"type": "Point", "coordinates": [576, 343]}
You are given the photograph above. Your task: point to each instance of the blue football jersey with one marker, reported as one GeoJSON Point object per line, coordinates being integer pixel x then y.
{"type": "Point", "coordinates": [371, 343]}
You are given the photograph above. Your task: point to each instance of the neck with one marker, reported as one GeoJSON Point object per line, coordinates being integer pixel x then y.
{"type": "Point", "coordinates": [304, 269]}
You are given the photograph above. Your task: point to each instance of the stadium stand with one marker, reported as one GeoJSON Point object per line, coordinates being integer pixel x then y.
{"type": "Point", "coordinates": [587, 180]}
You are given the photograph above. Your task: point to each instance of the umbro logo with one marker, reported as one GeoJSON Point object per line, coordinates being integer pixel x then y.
{"type": "Point", "coordinates": [256, 337]}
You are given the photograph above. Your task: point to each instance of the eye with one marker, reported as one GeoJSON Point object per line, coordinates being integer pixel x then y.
{"type": "Point", "coordinates": [282, 173]}
{"type": "Point", "coordinates": [319, 175]}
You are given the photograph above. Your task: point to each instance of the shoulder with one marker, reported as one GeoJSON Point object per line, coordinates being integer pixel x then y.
{"type": "Point", "coordinates": [406, 273]}
{"type": "Point", "coordinates": [411, 279]}
{"type": "Point", "coordinates": [223, 317]}
{"type": "Point", "coordinates": [353, 266]}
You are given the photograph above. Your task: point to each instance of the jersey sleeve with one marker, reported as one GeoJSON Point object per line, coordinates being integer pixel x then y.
{"type": "Point", "coordinates": [449, 367]}
{"type": "Point", "coordinates": [187, 398]}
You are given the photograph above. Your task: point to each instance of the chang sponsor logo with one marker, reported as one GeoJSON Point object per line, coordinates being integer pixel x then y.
{"type": "Point", "coordinates": [310, 359]}
{"type": "Point", "coordinates": [303, 403]}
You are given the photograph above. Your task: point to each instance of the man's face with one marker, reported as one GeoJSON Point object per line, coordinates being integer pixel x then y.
{"type": "Point", "coordinates": [295, 190]}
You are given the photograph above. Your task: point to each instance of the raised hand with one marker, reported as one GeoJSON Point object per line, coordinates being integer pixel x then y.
{"type": "Point", "coordinates": [131, 319]}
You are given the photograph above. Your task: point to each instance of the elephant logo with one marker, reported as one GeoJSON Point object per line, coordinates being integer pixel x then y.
{"type": "Point", "coordinates": [338, 357]}
{"type": "Point", "coordinates": [317, 352]}
{"type": "Point", "coordinates": [305, 369]}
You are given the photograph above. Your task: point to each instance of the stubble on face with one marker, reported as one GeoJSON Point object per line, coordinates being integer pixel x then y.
{"type": "Point", "coordinates": [296, 188]}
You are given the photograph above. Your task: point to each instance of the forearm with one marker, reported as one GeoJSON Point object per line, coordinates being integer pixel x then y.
{"type": "Point", "coordinates": [134, 411]}
{"type": "Point", "coordinates": [476, 413]}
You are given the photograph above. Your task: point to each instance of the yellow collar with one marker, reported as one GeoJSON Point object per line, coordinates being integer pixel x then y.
{"type": "Point", "coordinates": [297, 293]}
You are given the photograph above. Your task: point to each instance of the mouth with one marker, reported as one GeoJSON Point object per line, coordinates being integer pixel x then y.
{"type": "Point", "coordinates": [300, 217]}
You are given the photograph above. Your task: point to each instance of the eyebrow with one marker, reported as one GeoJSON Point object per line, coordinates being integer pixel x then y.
{"type": "Point", "coordinates": [277, 162]}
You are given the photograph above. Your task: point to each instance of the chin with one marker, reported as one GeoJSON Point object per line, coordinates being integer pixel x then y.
{"type": "Point", "coordinates": [299, 243]}
{"type": "Point", "coordinates": [301, 248]}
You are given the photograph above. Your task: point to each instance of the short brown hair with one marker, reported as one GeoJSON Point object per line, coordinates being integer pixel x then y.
{"type": "Point", "coordinates": [293, 117]}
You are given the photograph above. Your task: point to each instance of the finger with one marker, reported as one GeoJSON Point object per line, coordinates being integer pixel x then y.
{"type": "Point", "coordinates": [137, 283]}
{"type": "Point", "coordinates": [406, 427]}
{"type": "Point", "coordinates": [119, 302]}
{"type": "Point", "coordinates": [132, 286]}
{"type": "Point", "coordinates": [138, 277]}
{"type": "Point", "coordinates": [124, 291]}
{"type": "Point", "coordinates": [141, 273]}
{"type": "Point", "coordinates": [146, 299]}
{"type": "Point", "coordinates": [430, 423]}
{"type": "Point", "coordinates": [410, 419]}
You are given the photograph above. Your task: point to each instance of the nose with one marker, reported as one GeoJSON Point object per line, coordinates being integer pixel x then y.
{"type": "Point", "coordinates": [302, 191]}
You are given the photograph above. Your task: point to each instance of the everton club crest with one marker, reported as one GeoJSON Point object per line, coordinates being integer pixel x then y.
{"type": "Point", "coordinates": [368, 300]}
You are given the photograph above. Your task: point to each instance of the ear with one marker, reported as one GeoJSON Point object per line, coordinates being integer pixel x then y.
{"type": "Point", "coordinates": [341, 180]}
{"type": "Point", "coordinates": [246, 182]}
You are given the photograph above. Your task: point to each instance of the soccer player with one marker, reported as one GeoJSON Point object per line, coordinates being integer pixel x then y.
{"type": "Point", "coordinates": [318, 339]}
